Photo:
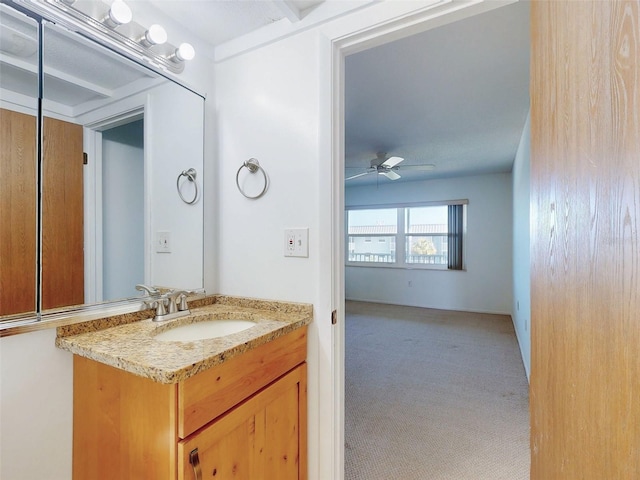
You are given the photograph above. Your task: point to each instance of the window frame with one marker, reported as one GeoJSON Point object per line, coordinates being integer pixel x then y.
{"type": "Point", "coordinates": [401, 236]}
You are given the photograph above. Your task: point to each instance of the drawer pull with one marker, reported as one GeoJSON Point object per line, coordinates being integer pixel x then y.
{"type": "Point", "coordinates": [194, 460]}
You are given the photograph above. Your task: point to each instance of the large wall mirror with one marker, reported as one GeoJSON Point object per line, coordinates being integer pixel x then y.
{"type": "Point", "coordinates": [93, 200]}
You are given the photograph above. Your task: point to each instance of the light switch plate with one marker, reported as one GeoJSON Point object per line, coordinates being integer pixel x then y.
{"type": "Point", "coordinates": [163, 242]}
{"type": "Point", "coordinates": [296, 242]}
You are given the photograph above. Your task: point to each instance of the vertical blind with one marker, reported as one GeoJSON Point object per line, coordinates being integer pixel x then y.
{"type": "Point", "coordinates": [455, 237]}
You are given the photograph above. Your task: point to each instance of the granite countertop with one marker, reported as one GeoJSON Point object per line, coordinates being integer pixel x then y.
{"type": "Point", "coordinates": [127, 341]}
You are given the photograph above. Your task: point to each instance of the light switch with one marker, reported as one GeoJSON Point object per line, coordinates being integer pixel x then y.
{"type": "Point", "coordinates": [296, 242]}
{"type": "Point", "coordinates": [163, 242]}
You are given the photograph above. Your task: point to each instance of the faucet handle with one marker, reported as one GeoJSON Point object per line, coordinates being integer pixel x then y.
{"type": "Point", "coordinates": [161, 308]}
{"type": "Point", "coordinates": [177, 300]}
{"type": "Point", "coordinates": [182, 302]}
{"type": "Point", "coordinates": [160, 305]}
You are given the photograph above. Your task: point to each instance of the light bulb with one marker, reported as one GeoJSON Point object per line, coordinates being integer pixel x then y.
{"type": "Point", "coordinates": [185, 52]}
{"type": "Point", "coordinates": [155, 35]}
{"type": "Point", "coordinates": [119, 14]}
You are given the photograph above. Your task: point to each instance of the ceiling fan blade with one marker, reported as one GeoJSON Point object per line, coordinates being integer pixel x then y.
{"type": "Point", "coordinates": [392, 161]}
{"type": "Point", "coordinates": [428, 166]}
{"type": "Point", "coordinates": [358, 175]}
{"type": "Point", "coordinates": [390, 174]}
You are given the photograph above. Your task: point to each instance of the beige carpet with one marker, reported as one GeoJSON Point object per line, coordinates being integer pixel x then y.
{"type": "Point", "coordinates": [433, 395]}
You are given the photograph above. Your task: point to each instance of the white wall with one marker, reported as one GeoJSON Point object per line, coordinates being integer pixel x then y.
{"type": "Point", "coordinates": [267, 103]}
{"type": "Point", "coordinates": [485, 285]}
{"type": "Point", "coordinates": [521, 308]}
{"type": "Point", "coordinates": [36, 408]}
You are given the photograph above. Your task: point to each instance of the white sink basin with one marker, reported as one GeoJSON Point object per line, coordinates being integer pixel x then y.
{"type": "Point", "coordinates": [204, 330]}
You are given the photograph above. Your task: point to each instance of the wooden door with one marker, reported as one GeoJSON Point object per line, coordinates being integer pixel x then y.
{"type": "Point", "coordinates": [263, 438]}
{"type": "Point", "coordinates": [62, 215]}
{"type": "Point", "coordinates": [585, 244]}
{"type": "Point", "coordinates": [18, 195]}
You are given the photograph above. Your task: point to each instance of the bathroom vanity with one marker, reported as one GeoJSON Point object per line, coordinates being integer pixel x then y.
{"type": "Point", "coordinates": [227, 407]}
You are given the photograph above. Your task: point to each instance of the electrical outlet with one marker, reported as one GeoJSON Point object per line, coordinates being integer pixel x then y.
{"type": "Point", "coordinates": [296, 242]}
{"type": "Point", "coordinates": [163, 242]}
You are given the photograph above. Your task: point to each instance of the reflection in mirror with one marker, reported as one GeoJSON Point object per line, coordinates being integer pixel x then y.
{"type": "Point", "coordinates": [18, 162]}
{"type": "Point", "coordinates": [122, 209]}
{"type": "Point", "coordinates": [115, 138]}
{"type": "Point", "coordinates": [102, 221]}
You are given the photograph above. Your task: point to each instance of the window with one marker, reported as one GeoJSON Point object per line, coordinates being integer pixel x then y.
{"type": "Point", "coordinates": [428, 236]}
{"type": "Point", "coordinates": [426, 233]}
{"type": "Point", "coordinates": [363, 227]}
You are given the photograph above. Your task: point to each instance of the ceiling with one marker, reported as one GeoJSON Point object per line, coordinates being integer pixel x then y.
{"type": "Point", "coordinates": [219, 21]}
{"type": "Point", "coordinates": [456, 97]}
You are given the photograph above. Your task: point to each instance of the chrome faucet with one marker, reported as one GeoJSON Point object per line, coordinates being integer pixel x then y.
{"type": "Point", "coordinates": [172, 304]}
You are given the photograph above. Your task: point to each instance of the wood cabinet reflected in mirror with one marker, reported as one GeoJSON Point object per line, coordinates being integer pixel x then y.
{"type": "Point", "coordinates": [18, 162]}
{"type": "Point", "coordinates": [115, 136]}
{"type": "Point", "coordinates": [18, 196]}
{"type": "Point", "coordinates": [62, 214]}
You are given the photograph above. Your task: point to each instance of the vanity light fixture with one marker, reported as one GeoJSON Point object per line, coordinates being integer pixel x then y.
{"type": "Point", "coordinates": [184, 52]}
{"type": "Point", "coordinates": [99, 19]}
{"type": "Point", "coordinates": [155, 35]}
{"type": "Point", "coordinates": [119, 14]}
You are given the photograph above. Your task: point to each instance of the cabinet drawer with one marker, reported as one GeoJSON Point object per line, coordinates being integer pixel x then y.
{"type": "Point", "coordinates": [263, 438]}
{"type": "Point", "coordinates": [209, 394]}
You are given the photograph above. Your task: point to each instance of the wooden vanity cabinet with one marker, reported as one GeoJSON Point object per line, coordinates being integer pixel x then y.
{"type": "Point", "coordinates": [243, 419]}
{"type": "Point", "coordinates": [260, 439]}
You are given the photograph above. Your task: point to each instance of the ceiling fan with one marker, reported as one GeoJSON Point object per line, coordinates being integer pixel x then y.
{"type": "Point", "coordinates": [387, 166]}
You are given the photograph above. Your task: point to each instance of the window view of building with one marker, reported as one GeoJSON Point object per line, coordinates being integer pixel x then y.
{"type": "Point", "coordinates": [400, 236]}
{"type": "Point", "coordinates": [364, 226]}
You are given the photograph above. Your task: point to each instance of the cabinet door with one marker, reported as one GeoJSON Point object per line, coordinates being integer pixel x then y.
{"type": "Point", "coordinates": [17, 212]}
{"type": "Point", "coordinates": [123, 425]}
{"type": "Point", "coordinates": [62, 215]}
{"type": "Point", "coordinates": [263, 438]}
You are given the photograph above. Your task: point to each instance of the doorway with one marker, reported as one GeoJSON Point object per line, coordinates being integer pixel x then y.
{"type": "Point", "coordinates": [115, 218]}
{"type": "Point", "coordinates": [122, 210]}
{"type": "Point", "coordinates": [355, 44]}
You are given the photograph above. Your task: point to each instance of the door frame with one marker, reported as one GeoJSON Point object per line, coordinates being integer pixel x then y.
{"type": "Point", "coordinates": [93, 279]}
{"type": "Point", "coordinates": [334, 49]}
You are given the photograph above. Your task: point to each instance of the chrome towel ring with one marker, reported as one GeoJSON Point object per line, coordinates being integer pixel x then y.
{"type": "Point", "coordinates": [191, 176]}
{"type": "Point", "coordinates": [253, 166]}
